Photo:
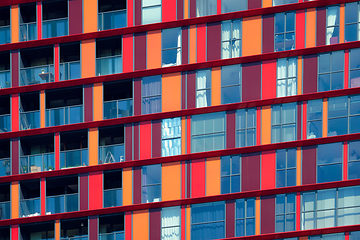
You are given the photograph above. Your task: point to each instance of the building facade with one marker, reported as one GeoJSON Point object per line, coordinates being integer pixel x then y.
{"type": "Point", "coordinates": [179, 119]}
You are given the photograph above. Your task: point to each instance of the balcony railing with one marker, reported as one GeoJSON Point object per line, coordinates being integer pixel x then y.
{"type": "Point", "coordinates": [5, 35]}
{"type": "Point", "coordinates": [5, 80]}
{"type": "Point", "coordinates": [29, 120]}
{"type": "Point", "coordinates": [112, 236]}
{"type": "Point", "coordinates": [55, 28]}
{"type": "Point", "coordinates": [64, 115]}
{"type": "Point", "coordinates": [118, 108]}
{"type": "Point", "coordinates": [4, 210]}
{"type": "Point", "coordinates": [37, 163]}
{"type": "Point", "coordinates": [36, 75]}
{"type": "Point", "coordinates": [5, 167]}
{"type": "Point", "coordinates": [30, 207]}
{"type": "Point", "coordinates": [69, 70]}
{"type": "Point", "coordinates": [28, 31]}
{"type": "Point", "coordinates": [111, 153]}
{"type": "Point", "coordinates": [113, 197]}
{"type": "Point", "coordinates": [112, 20]}
{"type": "Point", "coordinates": [62, 203]}
{"type": "Point", "coordinates": [5, 123]}
{"type": "Point", "coordinates": [74, 158]}
{"type": "Point", "coordinates": [108, 65]}
{"type": "Point", "coordinates": [75, 238]}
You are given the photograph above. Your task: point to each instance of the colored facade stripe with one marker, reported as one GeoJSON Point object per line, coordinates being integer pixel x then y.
{"type": "Point", "coordinates": [171, 92]}
{"type": "Point", "coordinates": [88, 103]}
{"type": "Point", "coordinates": [128, 141]}
{"type": "Point", "coordinates": [191, 89]}
{"type": "Point", "coordinates": [192, 44]}
{"type": "Point", "coordinates": [230, 219]}
{"type": "Point", "coordinates": [42, 196]}
{"type": "Point", "coordinates": [183, 135]}
{"type": "Point", "coordinates": [212, 176]}
{"type": "Point", "coordinates": [266, 125]}
{"type": "Point", "coordinates": [84, 191]}
{"type": "Point", "coordinates": [300, 29]}
{"type": "Point", "coordinates": [267, 214]}
{"type": "Point", "coordinates": [188, 134]}
{"type": "Point", "coordinates": [15, 112]}
{"type": "Point", "coordinates": [156, 138]}
{"type": "Point", "coordinates": [137, 12]}
{"type": "Point", "coordinates": [183, 90]}
{"type": "Point", "coordinates": [213, 42]}
{"type": "Point", "coordinates": [268, 79]}
{"type": "Point", "coordinates": [310, 29]}
{"type": "Point", "coordinates": [253, 4]}
{"type": "Point", "coordinates": [183, 222]}
{"type": "Point", "coordinates": [345, 157]}
{"type": "Point", "coordinates": [201, 42]}
{"type": "Point", "coordinates": [346, 69]}
{"type": "Point", "coordinates": [57, 151]}
{"type": "Point", "coordinates": [168, 9]}
{"type": "Point", "coordinates": [299, 74]}
{"type": "Point", "coordinates": [88, 58]}
{"type": "Point", "coordinates": [145, 140]}
{"type": "Point", "coordinates": [342, 24]}
{"type": "Point", "coordinates": [93, 228]}
{"type": "Point", "coordinates": [186, 9]}
{"type": "Point", "coordinates": [15, 199]}
{"type": "Point", "coordinates": [309, 163]}
{"type": "Point", "coordinates": [137, 185]}
{"type": "Point", "coordinates": [14, 15]}
{"type": "Point", "coordinates": [304, 120]}
{"type": "Point", "coordinates": [14, 232]}
{"type": "Point", "coordinates": [39, 19]}
{"type": "Point", "coordinates": [183, 179]}
{"type": "Point", "coordinates": [15, 68]}
{"type": "Point", "coordinates": [90, 16]}
{"type": "Point", "coordinates": [153, 48]}
{"type": "Point", "coordinates": [298, 166]}
{"type": "Point", "coordinates": [76, 16]}
{"type": "Point", "coordinates": [218, 7]}
{"type": "Point", "coordinates": [257, 215]}
{"type": "Point", "coordinates": [130, 13]}
{"type": "Point", "coordinates": [15, 156]}
{"type": "Point", "coordinates": [320, 26]}
{"type": "Point", "coordinates": [216, 86]}
{"type": "Point", "coordinates": [128, 52]}
{"type": "Point", "coordinates": [298, 125]}
{"type": "Point", "coordinates": [298, 211]}
{"type": "Point", "coordinates": [192, 8]}
{"type": "Point", "coordinates": [56, 62]}
{"type": "Point", "coordinates": [94, 147]}
{"type": "Point", "coordinates": [230, 129]}
{"type": "Point", "coordinates": [128, 227]}
{"type": "Point", "coordinates": [180, 10]}
{"type": "Point", "coordinates": [188, 179]}
{"type": "Point", "coordinates": [310, 74]}
{"type": "Point", "coordinates": [268, 169]}
{"type": "Point", "coordinates": [266, 3]}
{"type": "Point", "coordinates": [258, 126]}
{"type": "Point", "coordinates": [57, 230]}
{"type": "Point", "coordinates": [98, 101]}
{"type": "Point", "coordinates": [140, 225]}
{"type": "Point", "coordinates": [95, 190]}
{"type": "Point", "coordinates": [250, 168]}
{"type": "Point", "coordinates": [184, 45]}
{"type": "Point", "coordinates": [155, 224]}
{"type": "Point", "coordinates": [198, 178]}
{"type": "Point", "coordinates": [325, 117]}
{"type": "Point", "coordinates": [188, 222]}
{"type": "Point", "coordinates": [171, 181]}
{"type": "Point", "coordinates": [42, 108]}
{"type": "Point", "coordinates": [127, 188]}
{"type": "Point", "coordinates": [137, 96]}
{"type": "Point", "coordinates": [136, 155]}
{"type": "Point", "coordinates": [251, 81]}
{"type": "Point", "coordinates": [251, 42]}
{"type": "Point", "coordinates": [268, 33]}
{"type": "Point", "coordinates": [140, 51]}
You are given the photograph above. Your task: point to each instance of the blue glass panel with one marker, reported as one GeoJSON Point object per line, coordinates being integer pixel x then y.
{"type": "Point", "coordinates": [5, 213]}
{"type": "Point", "coordinates": [5, 123]}
{"type": "Point", "coordinates": [233, 5]}
{"type": "Point", "coordinates": [280, 178]}
{"type": "Point", "coordinates": [291, 177]}
{"type": "Point", "coordinates": [290, 21]}
{"type": "Point", "coordinates": [171, 57]}
{"type": "Point", "coordinates": [55, 204]}
{"type": "Point", "coordinates": [290, 203]}
{"type": "Point", "coordinates": [250, 137]}
{"type": "Point", "coordinates": [279, 23]}
{"type": "Point", "coordinates": [208, 231]}
{"type": "Point", "coordinates": [355, 104]}
{"type": "Point", "coordinates": [291, 158]}
{"type": "Point", "coordinates": [5, 80]}
{"type": "Point", "coordinates": [235, 183]}
{"type": "Point", "coordinates": [337, 63]}
{"type": "Point", "coordinates": [330, 153]}
{"type": "Point", "coordinates": [230, 75]}
{"type": "Point", "coordinates": [354, 235]}
{"type": "Point", "coordinates": [290, 222]}
{"type": "Point", "coordinates": [76, 114]}
{"type": "Point", "coordinates": [279, 42]}
{"type": "Point", "coordinates": [170, 38]}
{"type": "Point", "coordinates": [4, 35]}
{"type": "Point", "coordinates": [250, 207]}
{"type": "Point", "coordinates": [230, 94]}
{"type": "Point", "coordinates": [289, 41]}
{"type": "Point", "coordinates": [354, 151]}
{"type": "Point", "coordinates": [207, 212]}
{"type": "Point", "coordinates": [71, 202]}
{"type": "Point", "coordinates": [250, 227]}
{"type": "Point", "coordinates": [111, 154]}
{"type": "Point", "coordinates": [351, 12]}
{"type": "Point", "coordinates": [324, 63]}
{"type": "Point", "coordinates": [36, 75]}
{"type": "Point", "coordinates": [30, 120]}
{"type": "Point", "coordinates": [55, 28]}
{"type": "Point", "coordinates": [337, 126]}
{"type": "Point", "coordinates": [110, 110]}
{"type": "Point", "coordinates": [151, 174]}
{"type": "Point", "coordinates": [112, 198]}
{"type": "Point", "coordinates": [354, 58]}
{"type": "Point", "coordinates": [240, 228]}
{"type": "Point", "coordinates": [354, 126]}
{"type": "Point", "coordinates": [225, 165]}
{"type": "Point", "coordinates": [280, 223]}
{"type": "Point", "coordinates": [280, 204]}
{"type": "Point", "coordinates": [108, 65]}
{"type": "Point", "coordinates": [55, 117]}
{"type": "Point", "coordinates": [151, 193]}
{"type": "Point", "coordinates": [225, 185]}
{"type": "Point", "coordinates": [314, 129]}
{"type": "Point", "coordinates": [240, 208]}
{"type": "Point", "coordinates": [324, 82]}
{"type": "Point", "coordinates": [329, 173]}
{"type": "Point", "coordinates": [112, 20]}
{"type": "Point", "coordinates": [4, 167]}
{"type": "Point", "coordinates": [30, 208]}
{"type": "Point", "coordinates": [281, 159]}
{"type": "Point", "coordinates": [235, 168]}
{"type": "Point", "coordinates": [337, 81]}
{"type": "Point", "coordinates": [354, 78]}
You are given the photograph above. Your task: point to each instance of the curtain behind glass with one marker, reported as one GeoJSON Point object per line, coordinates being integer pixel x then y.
{"type": "Point", "coordinates": [201, 82]}
{"type": "Point", "coordinates": [151, 92]}
{"type": "Point", "coordinates": [331, 21]}
{"type": "Point", "coordinates": [170, 223]}
{"type": "Point", "coordinates": [205, 7]}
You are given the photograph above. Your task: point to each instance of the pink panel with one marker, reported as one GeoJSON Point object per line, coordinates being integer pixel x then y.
{"type": "Point", "coordinates": [15, 112]}
{"type": "Point", "coordinates": [156, 138]}
{"type": "Point", "coordinates": [230, 129]}
{"type": "Point", "coordinates": [88, 103]}
{"type": "Point", "coordinates": [201, 42]}
{"type": "Point", "coordinates": [269, 79]}
{"type": "Point", "coordinates": [14, 232]}
{"type": "Point", "coordinates": [188, 134]}
{"type": "Point", "coordinates": [345, 168]}
{"type": "Point", "coordinates": [268, 167]}
{"type": "Point", "coordinates": [145, 140]}
{"type": "Point", "coordinates": [39, 19]}
{"type": "Point", "coordinates": [84, 191]}
{"type": "Point", "coordinates": [93, 228]}
{"type": "Point", "coordinates": [128, 225]}
{"type": "Point", "coordinates": [128, 53]}
{"type": "Point", "coordinates": [57, 151]}
{"type": "Point", "coordinates": [198, 178]}
{"type": "Point", "coordinates": [168, 10]}
{"type": "Point", "coordinates": [346, 69]}
{"type": "Point", "coordinates": [304, 127]}
{"type": "Point", "coordinates": [298, 211]}
{"type": "Point", "coordinates": [300, 29]}
{"type": "Point", "coordinates": [130, 13]}
{"type": "Point", "coordinates": [56, 61]}
{"type": "Point", "coordinates": [96, 190]}
{"type": "Point", "coordinates": [230, 218]}
{"type": "Point", "coordinates": [15, 68]}
{"type": "Point", "coordinates": [15, 156]}
{"type": "Point", "coordinates": [258, 126]}
{"type": "Point", "coordinates": [75, 17]}
{"type": "Point", "coordinates": [183, 223]}
{"type": "Point", "coordinates": [42, 196]}
{"type": "Point", "coordinates": [128, 141]}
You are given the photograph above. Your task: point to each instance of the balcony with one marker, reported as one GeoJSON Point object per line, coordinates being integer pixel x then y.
{"type": "Point", "coordinates": [111, 227]}
{"type": "Point", "coordinates": [108, 65]}
{"type": "Point", "coordinates": [74, 158]}
{"type": "Point", "coordinates": [74, 229]}
{"type": "Point", "coordinates": [108, 56]}
{"type": "Point", "coordinates": [111, 154]}
{"type": "Point", "coordinates": [5, 167]}
{"type": "Point", "coordinates": [112, 236]}
{"type": "Point", "coordinates": [5, 79]}
{"type": "Point", "coordinates": [64, 115]}
{"type": "Point", "coordinates": [55, 28]}
{"type": "Point", "coordinates": [5, 123]}
{"type": "Point", "coordinates": [28, 31]}
{"type": "Point", "coordinates": [112, 19]}
{"type": "Point", "coordinates": [70, 70]}
{"type": "Point", "coordinates": [37, 163]}
{"type": "Point", "coordinates": [55, 18]}
{"type": "Point", "coordinates": [113, 197]}
{"type": "Point", "coordinates": [62, 203]}
{"type": "Point", "coordinates": [4, 210]}
{"type": "Point", "coordinates": [118, 108]}
{"type": "Point", "coordinates": [30, 207]}
{"type": "Point", "coordinates": [5, 34]}
{"type": "Point", "coordinates": [36, 75]}
{"type": "Point", "coordinates": [29, 120]}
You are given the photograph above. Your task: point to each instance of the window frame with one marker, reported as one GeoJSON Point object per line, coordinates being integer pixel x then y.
{"type": "Point", "coordinates": [245, 218]}
{"type": "Point", "coordinates": [310, 121]}
{"type": "Point", "coordinates": [353, 51]}
{"type": "Point", "coordinates": [286, 168]}
{"type": "Point", "coordinates": [231, 40]}
{"type": "Point", "coordinates": [223, 86]}
{"type": "Point", "coordinates": [329, 163]}
{"type": "Point", "coordinates": [352, 161]}
{"type": "Point", "coordinates": [287, 78]}
{"type": "Point", "coordinates": [149, 7]}
{"type": "Point", "coordinates": [164, 139]}
{"type": "Point", "coordinates": [357, 23]}
{"type": "Point", "coordinates": [284, 33]}
{"type": "Point", "coordinates": [205, 89]}
{"type": "Point", "coordinates": [332, 26]}
{"type": "Point", "coordinates": [167, 49]}
{"type": "Point", "coordinates": [150, 96]}
{"type": "Point", "coordinates": [282, 125]}
{"type": "Point", "coordinates": [286, 212]}
{"type": "Point", "coordinates": [247, 128]}
{"type": "Point", "coordinates": [231, 175]}
{"type": "Point", "coordinates": [331, 72]}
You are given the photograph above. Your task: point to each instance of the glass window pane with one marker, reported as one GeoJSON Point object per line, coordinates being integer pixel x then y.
{"type": "Point", "coordinates": [338, 107]}
{"type": "Point", "coordinates": [230, 94]}
{"type": "Point", "coordinates": [146, 3]}
{"type": "Point", "coordinates": [329, 173]}
{"type": "Point", "coordinates": [235, 183]}
{"type": "Point", "coordinates": [151, 174]}
{"type": "Point", "coordinates": [240, 208]}
{"type": "Point", "coordinates": [314, 129]}
{"type": "Point", "coordinates": [330, 153]}
{"type": "Point", "coordinates": [355, 78]}
{"type": "Point", "coordinates": [225, 165]}
{"type": "Point", "coordinates": [207, 212]}
{"type": "Point", "coordinates": [250, 207]}
{"type": "Point", "coordinates": [289, 133]}
{"type": "Point", "coordinates": [205, 7]}
{"type": "Point", "coordinates": [280, 178]}
{"type": "Point", "coordinates": [233, 5]}
{"type": "Point", "coordinates": [171, 38]}
{"type": "Point", "coordinates": [354, 151]}
{"type": "Point", "coordinates": [280, 204]}
{"type": "Point", "coordinates": [315, 109]}
{"type": "Point", "coordinates": [291, 177]}
{"type": "Point", "coordinates": [290, 222]}
{"type": "Point", "coordinates": [337, 81]}
{"type": "Point", "coordinates": [235, 167]}
{"type": "Point", "coordinates": [279, 22]}
{"type": "Point", "coordinates": [324, 83]}
{"type": "Point", "coordinates": [351, 32]}
{"type": "Point", "coordinates": [351, 12]}
{"type": "Point", "coordinates": [324, 63]}
{"type": "Point", "coordinates": [337, 63]}
{"type": "Point", "coordinates": [230, 75]}
{"type": "Point", "coordinates": [281, 159]}
{"type": "Point", "coordinates": [151, 15]}
{"type": "Point", "coordinates": [225, 185]}
{"type": "Point", "coordinates": [226, 31]}
{"type": "Point", "coordinates": [240, 228]}
{"type": "Point", "coordinates": [290, 21]}
{"type": "Point", "coordinates": [337, 126]}
{"type": "Point", "coordinates": [354, 126]}
{"type": "Point", "coordinates": [250, 227]}
{"type": "Point", "coordinates": [289, 113]}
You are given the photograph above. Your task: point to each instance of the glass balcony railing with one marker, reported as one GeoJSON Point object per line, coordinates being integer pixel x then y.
{"type": "Point", "coordinates": [112, 236]}
{"type": "Point", "coordinates": [5, 169]}
{"type": "Point", "coordinates": [118, 108]}
{"type": "Point", "coordinates": [5, 123]}
{"type": "Point", "coordinates": [74, 158]}
{"type": "Point", "coordinates": [112, 20]}
{"type": "Point", "coordinates": [5, 35]}
{"type": "Point", "coordinates": [28, 31]}
{"type": "Point", "coordinates": [36, 75]}
{"type": "Point", "coordinates": [113, 197]}
{"type": "Point", "coordinates": [64, 115]}
{"type": "Point", "coordinates": [108, 65]}
{"type": "Point", "coordinates": [5, 80]}
{"type": "Point", "coordinates": [4, 210]}
{"type": "Point", "coordinates": [29, 120]}
{"type": "Point", "coordinates": [62, 203]}
{"type": "Point", "coordinates": [75, 238]}
{"type": "Point", "coordinates": [111, 153]}
{"type": "Point", "coordinates": [30, 207]}
{"type": "Point", "coordinates": [55, 28]}
{"type": "Point", "coordinates": [69, 70]}
{"type": "Point", "coordinates": [37, 163]}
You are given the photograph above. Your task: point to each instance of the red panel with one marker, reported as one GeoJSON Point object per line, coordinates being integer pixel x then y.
{"type": "Point", "coordinates": [130, 13]}
{"type": "Point", "coordinates": [253, 4]}
{"type": "Point", "coordinates": [310, 74]}
{"type": "Point", "coordinates": [156, 138]}
{"type": "Point", "coordinates": [183, 179]}
{"type": "Point", "coordinates": [183, 223]}
{"type": "Point", "coordinates": [267, 214]}
{"type": "Point", "coordinates": [230, 129]}
{"type": "Point", "coordinates": [93, 228]}
{"type": "Point", "coordinates": [96, 190]}
{"type": "Point", "coordinates": [268, 166]}
{"type": "Point", "coordinates": [155, 224]}
{"type": "Point", "coordinates": [213, 41]}
{"type": "Point", "coordinates": [191, 89]}
{"type": "Point", "coordinates": [14, 68]}
{"type": "Point", "coordinates": [137, 185]}
{"type": "Point", "coordinates": [88, 103]}
{"type": "Point", "coordinates": [15, 112]}
{"type": "Point", "coordinates": [269, 79]}
{"type": "Point", "coordinates": [137, 96]}
{"type": "Point", "coordinates": [309, 165]}
{"type": "Point", "coordinates": [218, 7]}
{"type": "Point", "coordinates": [84, 186]}
{"type": "Point", "coordinates": [168, 10]}
{"type": "Point", "coordinates": [347, 236]}
{"type": "Point", "coordinates": [320, 26]}
{"type": "Point", "coordinates": [201, 42]}
{"type": "Point", "coordinates": [15, 156]}
{"type": "Point", "coordinates": [300, 29]}
{"type": "Point", "coordinates": [128, 142]}
{"type": "Point", "coordinates": [298, 125]}
{"type": "Point", "coordinates": [250, 167]}
{"type": "Point", "coordinates": [39, 20]}
{"type": "Point", "coordinates": [198, 178]}
{"type": "Point", "coordinates": [251, 81]}
{"type": "Point", "coordinates": [346, 69]}
{"type": "Point", "coordinates": [188, 179]}
{"type": "Point", "coordinates": [75, 16]}
{"type": "Point", "coordinates": [183, 91]}
{"type": "Point", "coordinates": [56, 62]}
{"type": "Point", "coordinates": [42, 196]}
{"type": "Point", "coordinates": [136, 141]}
{"type": "Point", "coordinates": [128, 228]}
{"type": "Point", "coordinates": [57, 151]}
{"type": "Point", "coordinates": [180, 9]}
{"type": "Point", "coordinates": [192, 8]}
{"type": "Point", "coordinates": [140, 51]}
{"type": "Point", "coordinates": [298, 211]}
{"type": "Point", "coordinates": [14, 232]}
{"type": "Point", "coordinates": [137, 12]}
{"type": "Point", "coordinates": [185, 44]}
{"type": "Point", "coordinates": [268, 33]}
{"type": "Point", "coordinates": [258, 126]}
{"type": "Point", "coordinates": [230, 218]}
{"type": "Point", "coordinates": [188, 134]}
{"type": "Point", "coordinates": [345, 168]}
{"type": "Point", "coordinates": [145, 140]}
{"type": "Point", "coordinates": [128, 61]}
{"type": "Point", "coordinates": [304, 120]}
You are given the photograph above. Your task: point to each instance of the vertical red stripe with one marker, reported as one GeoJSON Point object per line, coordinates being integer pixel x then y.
{"type": "Point", "coordinates": [130, 13]}
{"type": "Point", "coordinates": [180, 10]}
{"type": "Point", "coordinates": [183, 223]}
{"type": "Point", "coordinates": [96, 190]}
{"type": "Point", "coordinates": [258, 126]}
{"type": "Point", "coordinates": [191, 89]}
{"type": "Point", "coordinates": [304, 120]}
{"type": "Point", "coordinates": [298, 125]}
{"type": "Point", "coordinates": [309, 163]}
{"type": "Point", "coordinates": [15, 112]}
{"type": "Point", "coordinates": [57, 151]}
{"type": "Point", "coordinates": [198, 178]}
{"type": "Point", "coordinates": [14, 156]}
{"type": "Point", "coordinates": [83, 191]}
{"type": "Point", "coordinates": [168, 9]}
{"type": "Point", "coordinates": [140, 51]}
{"type": "Point", "coordinates": [42, 196]}
{"type": "Point", "coordinates": [268, 166]}
{"type": "Point", "coordinates": [267, 214]}
{"type": "Point", "coordinates": [128, 61]}
{"type": "Point", "coordinates": [310, 74]}
{"type": "Point", "coordinates": [230, 129]}
{"type": "Point", "coordinates": [250, 167]}
{"type": "Point", "coordinates": [201, 42]}
{"type": "Point", "coordinates": [183, 179]}
{"type": "Point", "coordinates": [188, 134]}
{"type": "Point", "coordinates": [15, 68]}
{"type": "Point", "coordinates": [347, 236]}
{"type": "Point", "coordinates": [136, 141]}
{"type": "Point", "coordinates": [346, 69]}
{"type": "Point", "coordinates": [137, 185]}
{"type": "Point", "coordinates": [137, 12]}
{"type": "Point", "coordinates": [269, 79]}
{"type": "Point", "coordinates": [88, 103]}
{"type": "Point", "coordinates": [93, 227]}
{"type": "Point", "coordinates": [300, 29]}
{"type": "Point", "coordinates": [230, 218]}
{"type": "Point", "coordinates": [137, 96]}
{"type": "Point", "coordinates": [155, 224]}
{"type": "Point", "coordinates": [39, 20]}
{"type": "Point", "coordinates": [345, 168]}
{"type": "Point", "coordinates": [156, 138]}
{"type": "Point", "coordinates": [183, 90]}
{"type": "Point", "coordinates": [298, 211]}
{"type": "Point", "coordinates": [14, 232]}
{"type": "Point", "coordinates": [213, 41]}
{"type": "Point", "coordinates": [251, 82]}
{"type": "Point", "coordinates": [128, 141]}
{"type": "Point", "coordinates": [145, 140]}
{"type": "Point", "coordinates": [185, 45]}
{"type": "Point", "coordinates": [128, 228]}
{"type": "Point", "coordinates": [252, 4]}
{"type": "Point", "coordinates": [320, 26]}
{"type": "Point", "coordinates": [268, 33]}
{"type": "Point", "coordinates": [75, 17]}
{"type": "Point", "coordinates": [56, 61]}
{"type": "Point", "coordinates": [188, 179]}
{"type": "Point", "coordinates": [218, 7]}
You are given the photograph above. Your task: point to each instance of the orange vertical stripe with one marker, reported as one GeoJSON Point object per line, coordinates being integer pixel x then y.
{"type": "Point", "coordinates": [188, 222]}
{"type": "Point", "coordinates": [298, 166]}
{"type": "Point", "coordinates": [153, 43]}
{"type": "Point", "coordinates": [186, 9]}
{"type": "Point", "coordinates": [252, 32]}
{"type": "Point", "coordinates": [127, 188]}
{"type": "Point", "coordinates": [141, 225]}
{"type": "Point", "coordinates": [98, 101]}
{"type": "Point", "coordinates": [257, 216]}
{"type": "Point", "coordinates": [14, 199]}
{"type": "Point", "coordinates": [90, 16]}
{"type": "Point", "coordinates": [212, 176]}
{"type": "Point", "coordinates": [325, 117]}
{"type": "Point", "coordinates": [183, 135]}
{"type": "Point", "coordinates": [42, 108]}
{"type": "Point", "coordinates": [310, 28]}
{"type": "Point", "coordinates": [299, 73]}
{"type": "Point", "coordinates": [192, 44]}
{"type": "Point", "coordinates": [171, 92]}
{"type": "Point", "coordinates": [216, 86]}
{"type": "Point", "coordinates": [171, 181]}
{"type": "Point", "coordinates": [57, 229]}
{"type": "Point", "coordinates": [14, 26]}
{"type": "Point", "coordinates": [266, 125]}
{"type": "Point", "coordinates": [88, 58]}
{"type": "Point", "coordinates": [266, 3]}
{"type": "Point", "coordinates": [342, 23]}
{"type": "Point", "coordinates": [93, 146]}
{"type": "Point", "coordinates": [303, 238]}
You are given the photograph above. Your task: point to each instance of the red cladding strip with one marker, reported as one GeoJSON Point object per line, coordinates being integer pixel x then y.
{"type": "Point", "coordinates": [309, 163]}
{"type": "Point", "coordinates": [346, 69]}
{"type": "Point", "coordinates": [345, 168]}
{"type": "Point", "coordinates": [269, 79]}
{"type": "Point", "coordinates": [145, 140]}
{"type": "Point", "coordinates": [230, 218]}
{"type": "Point", "coordinates": [191, 89]}
{"type": "Point", "coordinates": [230, 129]}
{"type": "Point", "coordinates": [130, 13]}
{"type": "Point", "coordinates": [201, 42]}
{"type": "Point", "coordinates": [250, 166]}
{"type": "Point", "coordinates": [57, 151]}
{"type": "Point", "coordinates": [128, 228]}
{"type": "Point", "coordinates": [39, 19]}
{"type": "Point", "coordinates": [84, 186]}
{"type": "Point", "coordinates": [213, 41]}
{"type": "Point", "coordinates": [185, 44]}
{"type": "Point", "coordinates": [188, 179]}
{"type": "Point", "coordinates": [251, 81]}
{"type": "Point", "coordinates": [267, 214]}
{"type": "Point", "coordinates": [15, 112]}
{"type": "Point", "coordinates": [304, 120]}
{"type": "Point", "coordinates": [42, 196]}
{"type": "Point", "coordinates": [96, 190]}
{"type": "Point", "coordinates": [198, 178]}
{"type": "Point", "coordinates": [258, 126]}
{"type": "Point", "coordinates": [14, 68]}
{"type": "Point", "coordinates": [268, 33]}
{"type": "Point", "coordinates": [298, 211]}
{"type": "Point", "coordinates": [128, 61]}
{"type": "Point", "coordinates": [137, 185]}
{"type": "Point", "coordinates": [168, 8]}
{"type": "Point", "coordinates": [180, 10]}
{"type": "Point", "coordinates": [15, 232]}
{"type": "Point", "coordinates": [320, 26]}
{"type": "Point", "coordinates": [347, 236]}
{"type": "Point", "coordinates": [56, 62]}
{"type": "Point", "coordinates": [268, 167]}
{"type": "Point", "coordinates": [254, 4]}
{"type": "Point", "coordinates": [136, 141]}
{"type": "Point", "coordinates": [192, 8]}
{"type": "Point", "coordinates": [156, 138]}
{"type": "Point", "coordinates": [300, 29]}
{"type": "Point", "coordinates": [155, 224]}
{"type": "Point", "coordinates": [128, 141]}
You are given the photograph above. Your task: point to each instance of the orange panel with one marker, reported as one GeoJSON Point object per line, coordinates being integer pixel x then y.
{"type": "Point", "coordinates": [88, 58]}
{"type": "Point", "coordinates": [186, 9]}
{"type": "Point", "coordinates": [252, 28]}
{"type": "Point", "coordinates": [57, 229]}
{"type": "Point", "coordinates": [310, 27]}
{"type": "Point", "coordinates": [299, 75]}
{"type": "Point", "coordinates": [93, 146]}
{"type": "Point", "coordinates": [42, 108]}
{"type": "Point", "coordinates": [257, 216]}
{"type": "Point", "coordinates": [90, 16]}
{"type": "Point", "coordinates": [153, 43]}
{"type": "Point", "coordinates": [266, 125]}
{"type": "Point", "coordinates": [14, 13]}
{"type": "Point", "coordinates": [212, 177]}
{"type": "Point", "coordinates": [298, 166]}
{"type": "Point", "coordinates": [303, 238]}
{"type": "Point", "coordinates": [342, 23]}
{"type": "Point", "coordinates": [216, 86]}
{"type": "Point", "coordinates": [188, 222]}
{"type": "Point", "coordinates": [192, 44]}
{"type": "Point", "coordinates": [127, 188]}
{"type": "Point", "coordinates": [171, 92]}
{"type": "Point", "coordinates": [183, 135]}
{"type": "Point", "coordinates": [325, 117]}
{"type": "Point", "coordinates": [98, 101]}
{"type": "Point", "coordinates": [140, 225]}
{"type": "Point", "coordinates": [171, 185]}
{"type": "Point", "coordinates": [14, 199]}
{"type": "Point", "coordinates": [266, 3]}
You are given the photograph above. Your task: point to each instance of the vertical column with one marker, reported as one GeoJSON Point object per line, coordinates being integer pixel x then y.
{"type": "Point", "coordinates": [42, 196]}
{"type": "Point", "coordinates": [320, 26]}
{"type": "Point", "coordinates": [310, 74]}
{"type": "Point", "coordinates": [94, 147]}
{"type": "Point", "coordinates": [42, 108]}
{"type": "Point", "coordinates": [168, 9]}
{"type": "Point", "coordinates": [145, 140]}
{"type": "Point", "coordinates": [183, 135]}
{"type": "Point", "coordinates": [140, 225]}
{"type": "Point", "coordinates": [90, 16]}
{"type": "Point", "coordinates": [137, 185]}
{"type": "Point", "coordinates": [155, 224]}
{"type": "Point", "coordinates": [128, 141]}
{"type": "Point", "coordinates": [252, 28]}
{"type": "Point", "coordinates": [130, 13]}
{"type": "Point", "coordinates": [216, 86]}
{"type": "Point", "coordinates": [268, 169]}
{"type": "Point", "coordinates": [300, 29]}
{"type": "Point", "coordinates": [188, 133]}
{"type": "Point", "coordinates": [136, 141]}
{"type": "Point", "coordinates": [250, 176]}
{"type": "Point", "coordinates": [171, 92]}
{"type": "Point", "coordinates": [191, 89]}
{"type": "Point", "coordinates": [76, 16]}
{"type": "Point", "coordinates": [98, 101]}
{"type": "Point", "coordinates": [128, 227]}
{"type": "Point", "coordinates": [14, 232]}
{"type": "Point", "coordinates": [88, 103]}
{"type": "Point", "coordinates": [15, 156]}
{"type": "Point", "coordinates": [309, 163]}
{"type": "Point", "coordinates": [230, 218]}
{"type": "Point", "coordinates": [251, 81]}
{"type": "Point", "coordinates": [345, 157]}
{"type": "Point", "coordinates": [299, 74]}
{"type": "Point", "coordinates": [201, 42]}
{"type": "Point", "coordinates": [156, 138]}
{"type": "Point", "coordinates": [57, 229]}
{"type": "Point", "coordinates": [128, 52]}
{"type": "Point", "coordinates": [153, 48]}
{"type": "Point", "coordinates": [83, 187]}
{"type": "Point", "coordinates": [267, 214]}
{"type": "Point", "coordinates": [266, 125]}
{"type": "Point", "coordinates": [298, 120]}
{"type": "Point", "coordinates": [268, 78]}
{"type": "Point", "coordinates": [137, 96]}
{"type": "Point", "coordinates": [183, 223]}
{"type": "Point", "coordinates": [15, 112]}
{"type": "Point", "coordinates": [184, 45]}
{"type": "Point", "coordinates": [266, 3]}
{"type": "Point", "coordinates": [298, 211]}
{"type": "Point", "coordinates": [310, 30]}
{"type": "Point", "coordinates": [137, 12]}
{"type": "Point", "coordinates": [57, 61]}
{"type": "Point", "coordinates": [230, 128]}
{"type": "Point", "coordinates": [180, 10]}
{"type": "Point", "coordinates": [346, 236]}
{"type": "Point", "coordinates": [192, 8]}
{"type": "Point", "coordinates": [96, 190]}
{"type": "Point", "coordinates": [14, 68]}
{"type": "Point", "coordinates": [252, 4]}
{"type": "Point", "coordinates": [186, 9]}
{"type": "Point", "coordinates": [325, 117]}
{"type": "Point", "coordinates": [39, 19]}
{"type": "Point", "coordinates": [198, 178]}
{"type": "Point", "coordinates": [342, 23]}
{"type": "Point", "coordinates": [304, 120]}
{"type": "Point", "coordinates": [257, 216]}
{"type": "Point", "coordinates": [298, 166]}
{"type": "Point", "coordinates": [214, 40]}
{"type": "Point", "coordinates": [171, 181]}
{"type": "Point", "coordinates": [188, 222]}
{"type": "Point", "coordinates": [268, 33]}
{"type": "Point", "coordinates": [14, 13]}
{"type": "Point", "coordinates": [15, 188]}
{"type": "Point", "coordinates": [93, 227]}
{"type": "Point", "coordinates": [127, 188]}
{"type": "Point", "coordinates": [192, 44]}
{"type": "Point", "coordinates": [140, 51]}
{"type": "Point", "coordinates": [57, 151]}
{"type": "Point", "coordinates": [346, 69]}
{"type": "Point", "coordinates": [88, 57]}
{"type": "Point", "coordinates": [218, 7]}
{"type": "Point", "coordinates": [212, 178]}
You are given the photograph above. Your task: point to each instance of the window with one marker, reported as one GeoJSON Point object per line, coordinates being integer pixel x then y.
{"type": "Point", "coordinates": [5, 76]}
{"type": "Point", "coordinates": [171, 137]}
{"type": "Point", "coordinates": [70, 228]}
{"type": "Point", "coordinates": [284, 31]}
{"type": "Point", "coordinates": [151, 11]}
{"type": "Point", "coordinates": [285, 213]}
{"type": "Point", "coordinates": [329, 162]}
{"type": "Point", "coordinates": [112, 227]}
{"type": "Point", "coordinates": [70, 61]}
{"type": "Point", "coordinates": [5, 163]}
{"type": "Point", "coordinates": [355, 67]}
{"type": "Point", "coordinates": [354, 160]}
{"type": "Point", "coordinates": [233, 5]}
{"type": "Point", "coordinates": [171, 47]}
{"type": "Point", "coordinates": [314, 118]}
{"type": "Point", "coordinates": [245, 127]}
{"type": "Point", "coordinates": [331, 71]}
{"type": "Point", "coordinates": [231, 39]}
{"type": "Point", "coordinates": [332, 25]}
{"type": "Point", "coordinates": [5, 120]}
{"type": "Point", "coordinates": [354, 235]}
{"type": "Point", "coordinates": [111, 14]}
{"type": "Point", "coordinates": [29, 110]}
{"type": "Point", "coordinates": [230, 174]}
{"type": "Point", "coordinates": [283, 2]}
{"type": "Point", "coordinates": [230, 84]}
{"type": "Point", "coordinates": [5, 203]}
{"type": "Point", "coordinates": [55, 18]}
{"type": "Point", "coordinates": [285, 167]}
{"type": "Point", "coordinates": [151, 183]}
{"type": "Point", "coordinates": [245, 217]}
{"type": "Point", "coordinates": [208, 132]}
{"type": "Point", "coordinates": [30, 198]}
{"type": "Point", "coordinates": [351, 21]}
{"type": "Point", "coordinates": [151, 94]}
{"type": "Point", "coordinates": [336, 236]}
{"type": "Point", "coordinates": [113, 188]}
{"type": "Point", "coordinates": [111, 144]}
{"type": "Point", "coordinates": [5, 36]}
{"type": "Point", "coordinates": [286, 77]}
{"type": "Point", "coordinates": [108, 56]}
{"type": "Point", "coordinates": [283, 122]}
{"type": "Point", "coordinates": [203, 88]}
{"type": "Point", "coordinates": [170, 223]}
{"type": "Point", "coordinates": [74, 149]}
{"type": "Point", "coordinates": [5, 233]}
{"type": "Point", "coordinates": [208, 221]}
{"type": "Point", "coordinates": [28, 29]}
{"type": "Point", "coordinates": [118, 99]}
{"type": "Point", "coordinates": [205, 7]}
{"type": "Point", "coordinates": [43, 231]}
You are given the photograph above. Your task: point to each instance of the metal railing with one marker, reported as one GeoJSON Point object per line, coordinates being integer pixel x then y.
{"type": "Point", "coordinates": [5, 35]}
{"type": "Point", "coordinates": [108, 65]}
{"type": "Point", "coordinates": [37, 163]}
{"type": "Point", "coordinates": [64, 115]}
{"type": "Point", "coordinates": [112, 236]}
{"type": "Point", "coordinates": [111, 153]}
{"type": "Point", "coordinates": [113, 197]}
{"type": "Point", "coordinates": [112, 19]}
{"type": "Point", "coordinates": [55, 28]}
{"type": "Point", "coordinates": [5, 123]}
{"type": "Point", "coordinates": [74, 158]}
{"type": "Point", "coordinates": [70, 70]}
{"type": "Point", "coordinates": [4, 210]}
{"type": "Point", "coordinates": [28, 31]}
{"type": "Point", "coordinates": [36, 75]}
{"type": "Point", "coordinates": [30, 207]}
{"type": "Point", "coordinates": [29, 120]}
{"type": "Point", "coordinates": [5, 79]}
{"type": "Point", "coordinates": [75, 238]}
{"type": "Point", "coordinates": [62, 203]}
{"type": "Point", "coordinates": [118, 108]}
{"type": "Point", "coordinates": [5, 167]}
